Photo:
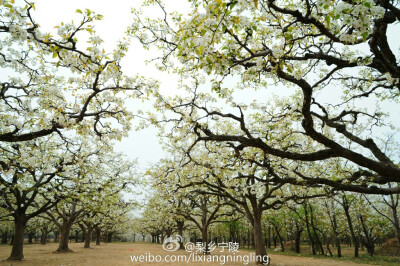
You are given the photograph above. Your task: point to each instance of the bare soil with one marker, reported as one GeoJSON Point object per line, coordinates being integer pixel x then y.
{"type": "Point", "coordinates": [120, 254]}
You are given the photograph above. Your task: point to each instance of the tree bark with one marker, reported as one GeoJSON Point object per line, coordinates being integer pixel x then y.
{"type": "Point", "coordinates": [98, 234]}
{"type": "Point", "coordinates": [278, 233]}
{"type": "Point", "coordinates": [368, 240]}
{"type": "Point", "coordinates": [336, 234]}
{"type": "Point", "coordinates": [204, 239]}
{"type": "Point", "coordinates": [299, 230]}
{"type": "Point", "coordinates": [339, 249]}
{"type": "Point", "coordinates": [346, 207]}
{"type": "Point", "coordinates": [261, 252]}
{"type": "Point", "coordinates": [269, 236]}
{"type": "Point", "coordinates": [64, 237]}
{"type": "Point", "coordinates": [315, 230]}
{"type": "Point", "coordinates": [17, 252]}
{"type": "Point", "coordinates": [180, 224]}
{"type": "Point", "coordinates": [393, 207]}
{"type": "Point", "coordinates": [12, 239]}
{"type": "Point", "coordinates": [30, 237]}
{"type": "Point", "coordinates": [310, 236]}
{"type": "Point", "coordinates": [88, 236]}
{"type": "Point", "coordinates": [43, 238]}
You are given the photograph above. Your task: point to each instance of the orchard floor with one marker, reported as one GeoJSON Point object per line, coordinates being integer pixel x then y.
{"type": "Point", "coordinates": [116, 254]}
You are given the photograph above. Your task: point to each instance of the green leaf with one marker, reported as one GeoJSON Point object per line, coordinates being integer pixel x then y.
{"type": "Point", "coordinates": [367, 4]}
{"type": "Point", "coordinates": [365, 35]}
{"type": "Point", "coordinates": [79, 11]}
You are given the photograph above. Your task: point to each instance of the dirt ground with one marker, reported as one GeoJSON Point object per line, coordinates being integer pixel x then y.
{"type": "Point", "coordinates": [120, 254]}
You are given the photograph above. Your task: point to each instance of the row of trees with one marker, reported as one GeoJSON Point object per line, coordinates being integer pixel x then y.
{"type": "Point", "coordinates": [198, 198]}
{"type": "Point", "coordinates": [61, 108]}
{"type": "Point", "coordinates": [106, 225]}
{"type": "Point", "coordinates": [78, 182]}
{"type": "Point", "coordinates": [325, 224]}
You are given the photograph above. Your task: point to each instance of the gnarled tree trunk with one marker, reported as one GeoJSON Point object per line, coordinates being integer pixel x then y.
{"type": "Point", "coordinates": [180, 224]}
{"type": "Point", "coordinates": [30, 237]}
{"type": "Point", "coordinates": [261, 252]}
{"type": "Point", "coordinates": [17, 252]}
{"type": "Point", "coordinates": [299, 230]}
{"type": "Point", "coordinates": [98, 234]}
{"type": "Point", "coordinates": [43, 238]}
{"type": "Point", "coordinates": [87, 231]}
{"type": "Point", "coordinates": [64, 237]}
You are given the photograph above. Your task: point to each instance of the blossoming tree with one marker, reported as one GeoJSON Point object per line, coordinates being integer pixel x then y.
{"type": "Point", "coordinates": [336, 58]}
{"type": "Point", "coordinates": [51, 82]}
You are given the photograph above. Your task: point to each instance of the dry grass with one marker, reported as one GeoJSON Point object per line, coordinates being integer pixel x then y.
{"type": "Point", "coordinates": [119, 254]}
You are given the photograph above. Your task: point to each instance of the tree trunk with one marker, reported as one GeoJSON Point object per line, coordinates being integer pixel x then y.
{"type": "Point", "coordinates": [261, 253]}
{"type": "Point", "coordinates": [350, 223]}
{"type": "Point", "coordinates": [299, 230]}
{"type": "Point", "coordinates": [278, 233]}
{"type": "Point", "coordinates": [248, 237]}
{"type": "Point", "coordinates": [368, 240]}
{"type": "Point", "coordinates": [30, 237]}
{"type": "Point", "coordinates": [204, 239]}
{"type": "Point", "coordinates": [180, 225]}
{"type": "Point", "coordinates": [4, 237]}
{"type": "Point", "coordinates": [310, 236]}
{"type": "Point", "coordinates": [17, 252]}
{"type": "Point", "coordinates": [88, 236]}
{"type": "Point", "coordinates": [398, 233]}
{"type": "Point", "coordinates": [109, 237]}
{"type": "Point", "coordinates": [64, 238]}
{"type": "Point", "coordinates": [76, 236]}
{"type": "Point", "coordinates": [395, 216]}
{"type": "Point", "coordinates": [328, 248]}
{"type": "Point", "coordinates": [56, 236]}
{"type": "Point", "coordinates": [315, 230]}
{"type": "Point", "coordinates": [43, 238]}
{"type": "Point", "coordinates": [336, 233]}
{"type": "Point", "coordinates": [98, 233]}
{"type": "Point", "coordinates": [12, 239]}
{"type": "Point", "coordinates": [339, 250]}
